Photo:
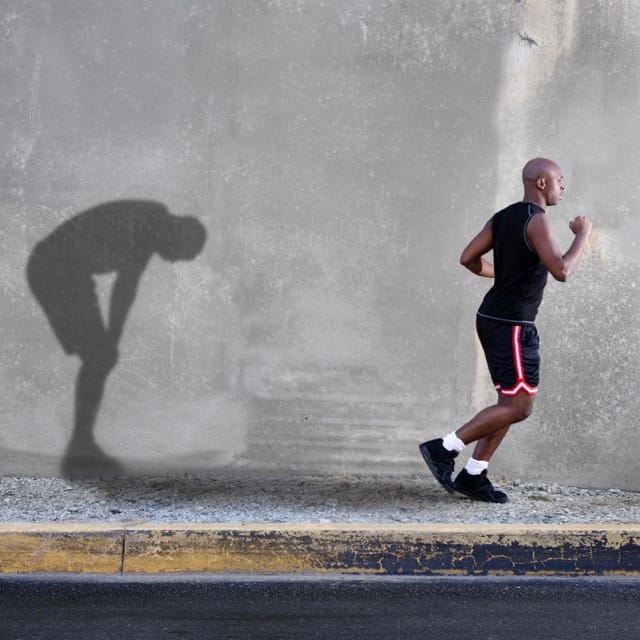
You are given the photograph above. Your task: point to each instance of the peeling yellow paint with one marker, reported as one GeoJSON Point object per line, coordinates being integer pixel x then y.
{"type": "Point", "coordinates": [337, 548]}
{"type": "Point", "coordinates": [60, 550]}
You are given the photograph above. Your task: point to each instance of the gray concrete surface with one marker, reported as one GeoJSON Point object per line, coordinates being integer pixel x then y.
{"type": "Point", "coordinates": [339, 154]}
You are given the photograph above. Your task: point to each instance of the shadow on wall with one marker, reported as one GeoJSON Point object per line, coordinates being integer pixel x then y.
{"type": "Point", "coordinates": [116, 237]}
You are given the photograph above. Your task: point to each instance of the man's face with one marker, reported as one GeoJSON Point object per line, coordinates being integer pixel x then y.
{"type": "Point", "coordinates": [553, 185]}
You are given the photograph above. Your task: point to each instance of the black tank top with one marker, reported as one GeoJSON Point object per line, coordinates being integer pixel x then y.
{"type": "Point", "coordinates": [520, 277]}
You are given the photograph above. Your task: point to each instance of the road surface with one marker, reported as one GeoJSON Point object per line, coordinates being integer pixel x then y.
{"type": "Point", "coordinates": [72, 607]}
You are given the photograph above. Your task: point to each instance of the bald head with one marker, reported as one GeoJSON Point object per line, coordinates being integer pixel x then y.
{"type": "Point", "coordinates": [542, 180]}
{"type": "Point", "coordinates": [538, 168]}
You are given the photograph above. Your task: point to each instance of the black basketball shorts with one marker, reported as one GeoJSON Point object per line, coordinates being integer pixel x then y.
{"type": "Point", "coordinates": [512, 352]}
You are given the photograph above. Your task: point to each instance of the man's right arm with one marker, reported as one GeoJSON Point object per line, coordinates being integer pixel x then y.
{"type": "Point", "coordinates": [560, 266]}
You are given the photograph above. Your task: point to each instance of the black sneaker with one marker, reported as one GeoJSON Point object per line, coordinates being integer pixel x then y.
{"type": "Point", "coordinates": [478, 487]}
{"type": "Point", "coordinates": [440, 462]}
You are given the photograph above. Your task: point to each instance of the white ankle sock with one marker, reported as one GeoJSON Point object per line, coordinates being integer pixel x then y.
{"type": "Point", "coordinates": [451, 442]}
{"type": "Point", "coordinates": [476, 467]}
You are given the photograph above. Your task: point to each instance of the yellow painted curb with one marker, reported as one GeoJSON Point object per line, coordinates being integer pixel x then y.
{"type": "Point", "coordinates": [60, 549]}
{"type": "Point", "coordinates": [336, 548]}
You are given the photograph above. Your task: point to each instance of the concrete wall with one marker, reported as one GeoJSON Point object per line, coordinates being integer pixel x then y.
{"type": "Point", "coordinates": [339, 155]}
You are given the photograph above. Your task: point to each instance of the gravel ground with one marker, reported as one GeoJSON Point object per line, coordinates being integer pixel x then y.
{"type": "Point", "coordinates": [236, 497]}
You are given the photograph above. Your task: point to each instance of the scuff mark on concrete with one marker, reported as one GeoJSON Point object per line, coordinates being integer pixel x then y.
{"type": "Point", "coordinates": [525, 37]}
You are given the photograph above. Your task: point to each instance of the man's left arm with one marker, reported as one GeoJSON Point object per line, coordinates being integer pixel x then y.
{"type": "Point", "coordinates": [472, 256]}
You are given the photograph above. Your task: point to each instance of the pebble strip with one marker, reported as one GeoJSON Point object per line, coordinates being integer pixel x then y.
{"type": "Point", "coordinates": [242, 498]}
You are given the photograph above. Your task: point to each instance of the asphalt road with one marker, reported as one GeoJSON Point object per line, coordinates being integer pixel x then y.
{"type": "Point", "coordinates": [57, 608]}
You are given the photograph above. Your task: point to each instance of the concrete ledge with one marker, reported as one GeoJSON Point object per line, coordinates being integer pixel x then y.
{"type": "Point", "coordinates": [372, 549]}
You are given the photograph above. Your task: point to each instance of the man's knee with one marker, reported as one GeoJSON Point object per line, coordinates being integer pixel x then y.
{"type": "Point", "coordinates": [525, 411]}
{"type": "Point", "coordinates": [520, 406]}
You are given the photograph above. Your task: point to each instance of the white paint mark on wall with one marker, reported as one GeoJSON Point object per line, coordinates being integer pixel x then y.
{"type": "Point", "coordinates": [210, 122]}
{"type": "Point", "coordinates": [364, 29]}
{"type": "Point", "coordinates": [32, 111]}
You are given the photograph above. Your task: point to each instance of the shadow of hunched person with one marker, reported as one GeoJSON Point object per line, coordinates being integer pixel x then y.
{"type": "Point", "coordinates": [116, 237]}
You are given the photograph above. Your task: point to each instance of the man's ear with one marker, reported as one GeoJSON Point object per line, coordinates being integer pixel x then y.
{"type": "Point", "coordinates": [541, 183]}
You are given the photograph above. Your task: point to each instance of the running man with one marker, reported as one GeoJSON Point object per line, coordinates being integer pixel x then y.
{"type": "Point", "coordinates": [524, 251]}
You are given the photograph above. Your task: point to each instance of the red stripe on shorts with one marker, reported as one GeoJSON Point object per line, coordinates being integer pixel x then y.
{"type": "Point", "coordinates": [521, 383]}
